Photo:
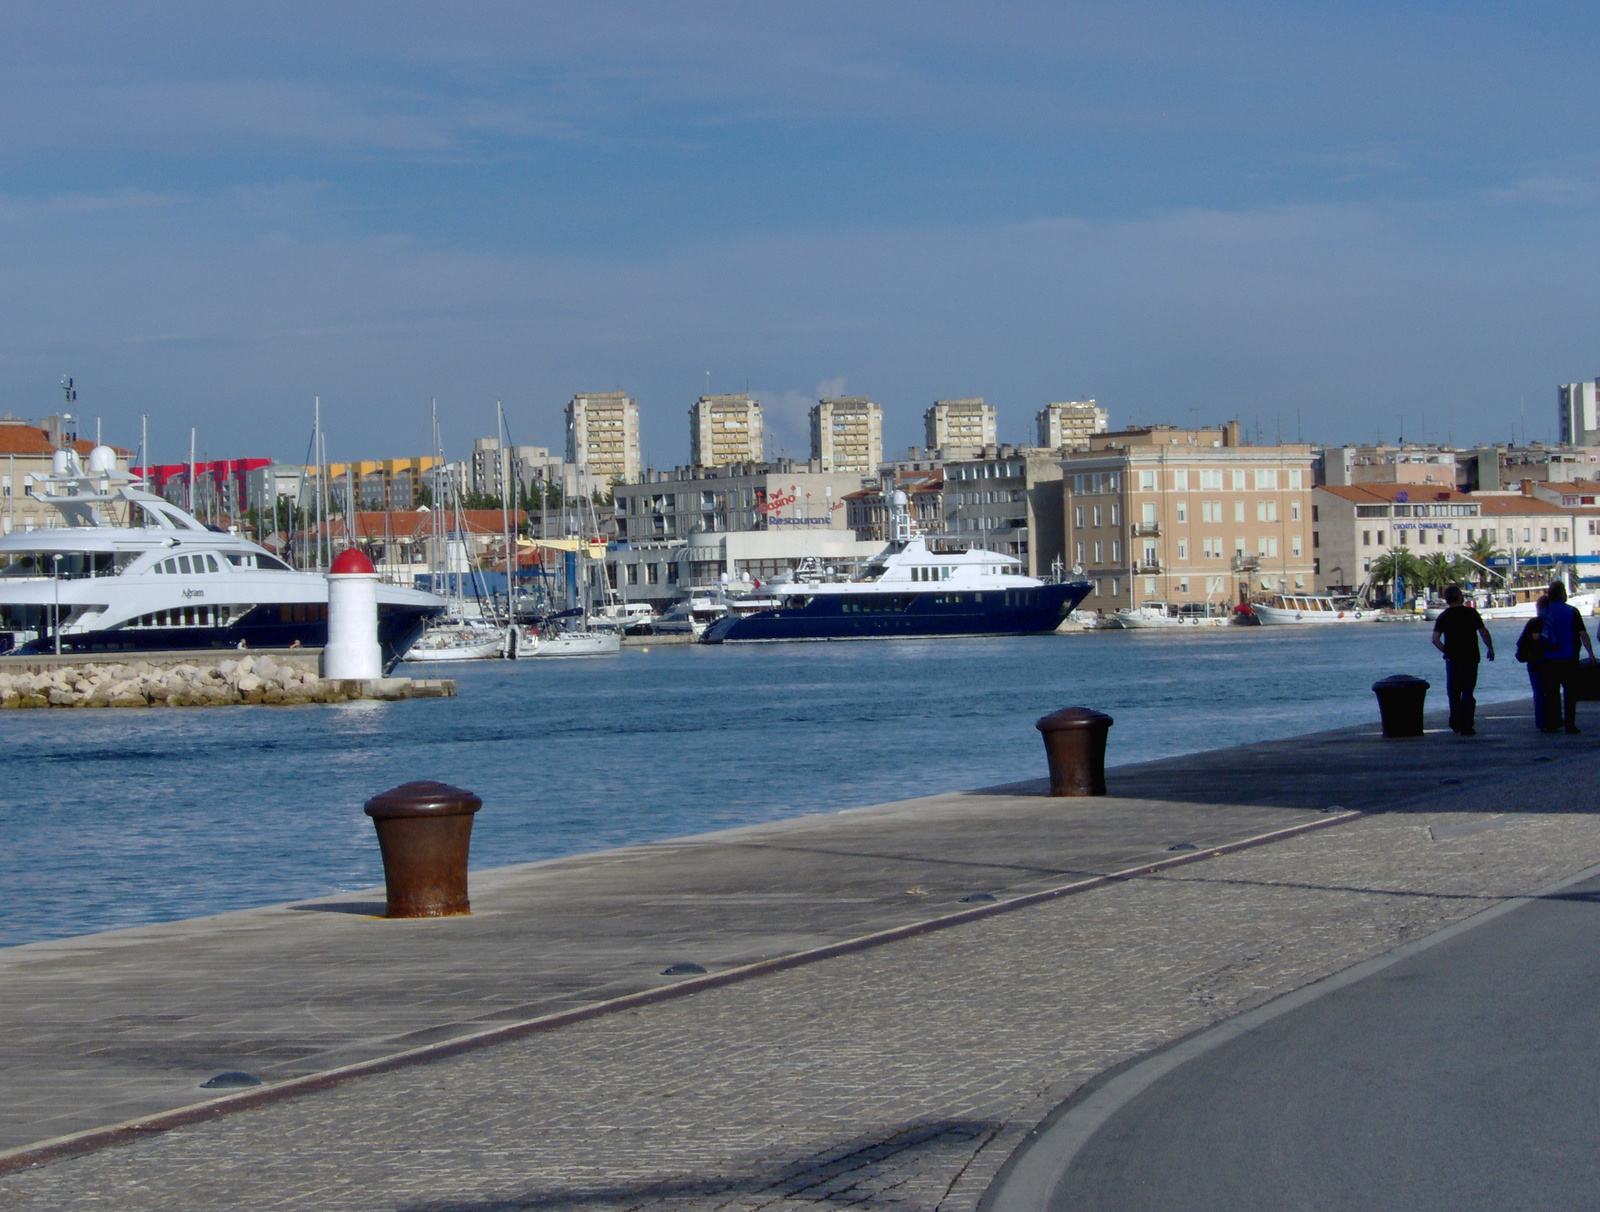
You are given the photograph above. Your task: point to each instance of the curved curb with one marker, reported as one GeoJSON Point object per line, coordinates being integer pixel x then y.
{"type": "Point", "coordinates": [93, 1139]}
{"type": "Point", "coordinates": [1037, 1167]}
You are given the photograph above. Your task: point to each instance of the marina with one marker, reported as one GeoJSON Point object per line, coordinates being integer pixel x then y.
{"type": "Point", "coordinates": [114, 818]}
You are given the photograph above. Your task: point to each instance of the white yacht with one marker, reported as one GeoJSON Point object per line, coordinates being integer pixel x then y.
{"type": "Point", "coordinates": [127, 571]}
{"type": "Point", "coordinates": [1166, 615]}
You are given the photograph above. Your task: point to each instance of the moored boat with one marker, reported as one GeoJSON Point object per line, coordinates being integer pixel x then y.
{"type": "Point", "coordinates": [1312, 609]}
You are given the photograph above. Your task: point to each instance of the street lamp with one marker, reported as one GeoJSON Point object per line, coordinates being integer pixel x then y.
{"type": "Point", "coordinates": [55, 580]}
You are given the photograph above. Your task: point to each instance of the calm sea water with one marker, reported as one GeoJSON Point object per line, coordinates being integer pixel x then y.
{"type": "Point", "coordinates": [112, 818]}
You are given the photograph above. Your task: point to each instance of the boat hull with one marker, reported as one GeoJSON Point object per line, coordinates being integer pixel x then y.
{"type": "Point", "coordinates": [1037, 610]}
{"type": "Point", "coordinates": [1277, 616]}
{"type": "Point", "coordinates": [578, 644]}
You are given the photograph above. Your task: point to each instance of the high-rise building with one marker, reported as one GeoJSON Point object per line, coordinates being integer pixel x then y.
{"type": "Point", "coordinates": [603, 436]}
{"type": "Point", "coordinates": [951, 423]}
{"type": "Point", "coordinates": [1580, 413]}
{"type": "Point", "coordinates": [1068, 424]}
{"type": "Point", "coordinates": [724, 430]}
{"type": "Point", "coordinates": [847, 434]}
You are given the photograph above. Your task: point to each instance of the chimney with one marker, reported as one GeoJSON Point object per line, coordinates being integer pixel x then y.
{"type": "Point", "coordinates": [1230, 433]}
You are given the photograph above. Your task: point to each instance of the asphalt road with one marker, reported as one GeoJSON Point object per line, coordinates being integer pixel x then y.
{"type": "Point", "coordinates": [1463, 1076]}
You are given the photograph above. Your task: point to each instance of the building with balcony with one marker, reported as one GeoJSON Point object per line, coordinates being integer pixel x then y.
{"type": "Point", "coordinates": [784, 495]}
{"type": "Point", "coordinates": [847, 435]}
{"type": "Point", "coordinates": [1069, 424]}
{"type": "Point", "coordinates": [1187, 515]}
{"type": "Point", "coordinates": [526, 465]}
{"type": "Point", "coordinates": [603, 437]}
{"type": "Point", "coordinates": [724, 430]}
{"type": "Point", "coordinates": [960, 424]}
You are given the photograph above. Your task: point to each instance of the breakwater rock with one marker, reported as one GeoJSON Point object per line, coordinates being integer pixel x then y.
{"type": "Point", "coordinates": [251, 679]}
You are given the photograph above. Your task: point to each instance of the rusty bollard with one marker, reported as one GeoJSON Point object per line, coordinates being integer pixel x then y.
{"type": "Point", "coordinates": [1075, 744]}
{"type": "Point", "coordinates": [424, 830]}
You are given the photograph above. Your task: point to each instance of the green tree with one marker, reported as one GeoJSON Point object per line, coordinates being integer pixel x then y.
{"type": "Point", "coordinates": [1440, 571]}
{"type": "Point", "coordinates": [1399, 565]}
{"type": "Point", "coordinates": [1481, 551]}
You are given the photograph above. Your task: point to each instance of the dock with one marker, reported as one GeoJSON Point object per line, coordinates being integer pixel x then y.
{"type": "Point", "coordinates": [880, 1003]}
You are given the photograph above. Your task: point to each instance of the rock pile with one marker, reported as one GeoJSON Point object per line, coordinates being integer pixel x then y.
{"type": "Point", "coordinates": [253, 679]}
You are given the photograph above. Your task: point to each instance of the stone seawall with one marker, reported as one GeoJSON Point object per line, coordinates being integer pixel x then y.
{"type": "Point", "coordinates": [223, 683]}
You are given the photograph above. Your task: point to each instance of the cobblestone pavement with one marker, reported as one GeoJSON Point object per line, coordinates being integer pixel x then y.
{"type": "Point", "coordinates": [902, 1076]}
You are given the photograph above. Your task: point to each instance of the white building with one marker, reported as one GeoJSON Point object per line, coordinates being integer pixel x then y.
{"type": "Point", "coordinates": [603, 437]}
{"type": "Point", "coordinates": [724, 430]}
{"type": "Point", "coordinates": [1069, 424]}
{"type": "Point", "coordinates": [1579, 413]}
{"type": "Point", "coordinates": [960, 423]}
{"type": "Point", "coordinates": [847, 435]}
{"type": "Point", "coordinates": [527, 465]}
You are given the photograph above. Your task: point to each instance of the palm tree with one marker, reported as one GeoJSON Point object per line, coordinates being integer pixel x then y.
{"type": "Point", "coordinates": [1400, 565]}
{"type": "Point", "coordinates": [1481, 551]}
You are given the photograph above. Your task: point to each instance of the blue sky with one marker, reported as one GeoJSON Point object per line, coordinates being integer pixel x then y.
{"type": "Point", "coordinates": [1341, 221]}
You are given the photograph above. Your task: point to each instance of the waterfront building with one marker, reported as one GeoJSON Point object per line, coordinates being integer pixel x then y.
{"type": "Point", "coordinates": [26, 451]}
{"type": "Point", "coordinates": [847, 435]}
{"type": "Point", "coordinates": [375, 484]}
{"type": "Point", "coordinates": [1386, 463]}
{"type": "Point", "coordinates": [783, 495]}
{"type": "Point", "coordinates": [660, 573]}
{"type": "Point", "coordinates": [724, 430]}
{"type": "Point", "coordinates": [1008, 499]}
{"type": "Point", "coordinates": [1159, 513]}
{"type": "Point", "coordinates": [867, 512]}
{"type": "Point", "coordinates": [603, 437]}
{"type": "Point", "coordinates": [1354, 525]}
{"type": "Point", "coordinates": [1578, 413]}
{"type": "Point", "coordinates": [527, 465]}
{"type": "Point", "coordinates": [224, 487]}
{"type": "Point", "coordinates": [1069, 424]}
{"type": "Point", "coordinates": [960, 424]}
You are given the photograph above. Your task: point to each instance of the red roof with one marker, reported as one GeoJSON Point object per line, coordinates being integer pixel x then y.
{"type": "Point", "coordinates": [21, 438]}
{"type": "Point", "coordinates": [1491, 504]}
{"type": "Point", "coordinates": [414, 523]}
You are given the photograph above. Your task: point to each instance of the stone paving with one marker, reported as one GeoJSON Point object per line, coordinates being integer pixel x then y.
{"type": "Point", "coordinates": [904, 1075]}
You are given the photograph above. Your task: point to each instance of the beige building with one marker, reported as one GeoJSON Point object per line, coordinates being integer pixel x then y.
{"type": "Point", "coordinates": [847, 435]}
{"type": "Point", "coordinates": [1069, 424]}
{"type": "Point", "coordinates": [951, 424]}
{"type": "Point", "coordinates": [724, 430]}
{"type": "Point", "coordinates": [603, 437]}
{"type": "Point", "coordinates": [1187, 515]}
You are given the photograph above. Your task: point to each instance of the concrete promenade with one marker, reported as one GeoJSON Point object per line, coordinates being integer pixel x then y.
{"type": "Point", "coordinates": [904, 1072]}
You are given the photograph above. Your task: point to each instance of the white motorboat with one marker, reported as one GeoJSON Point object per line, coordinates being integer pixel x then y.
{"type": "Point", "coordinates": [693, 614]}
{"type": "Point", "coordinates": [1312, 609]}
{"type": "Point", "coordinates": [130, 572]}
{"type": "Point", "coordinates": [1166, 615]}
{"type": "Point", "coordinates": [1519, 602]}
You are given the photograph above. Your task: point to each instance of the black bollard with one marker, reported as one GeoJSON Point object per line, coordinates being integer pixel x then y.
{"type": "Point", "coordinates": [424, 831]}
{"type": "Point", "coordinates": [1075, 745]}
{"type": "Point", "coordinates": [1400, 702]}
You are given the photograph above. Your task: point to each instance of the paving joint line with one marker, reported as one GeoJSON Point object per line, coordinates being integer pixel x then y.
{"type": "Point", "coordinates": [92, 1140]}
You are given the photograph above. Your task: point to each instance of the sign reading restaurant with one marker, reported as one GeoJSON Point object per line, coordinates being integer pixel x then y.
{"type": "Point", "coordinates": [771, 508]}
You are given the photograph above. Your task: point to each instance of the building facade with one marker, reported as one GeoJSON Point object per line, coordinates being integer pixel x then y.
{"type": "Point", "coordinates": [1578, 413]}
{"type": "Point", "coordinates": [526, 465]}
{"type": "Point", "coordinates": [847, 435]}
{"type": "Point", "coordinates": [724, 430]}
{"type": "Point", "coordinates": [1008, 500]}
{"type": "Point", "coordinates": [867, 512]}
{"type": "Point", "coordinates": [1069, 424]}
{"type": "Point", "coordinates": [1188, 515]}
{"type": "Point", "coordinates": [26, 453]}
{"type": "Point", "coordinates": [751, 496]}
{"type": "Point", "coordinates": [603, 437]}
{"type": "Point", "coordinates": [960, 424]}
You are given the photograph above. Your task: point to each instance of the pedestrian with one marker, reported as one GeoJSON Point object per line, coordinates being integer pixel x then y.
{"type": "Point", "coordinates": [1455, 634]}
{"type": "Point", "coordinates": [1530, 651]}
{"type": "Point", "coordinates": [1563, 632]}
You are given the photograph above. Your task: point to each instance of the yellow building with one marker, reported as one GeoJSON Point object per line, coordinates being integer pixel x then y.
{"type": "Point", "coordinates": [1187, 515]}
{"type": "Point", "coordinates": [376, 484]}
{"type": "Point", "coordinates": [724, 430]}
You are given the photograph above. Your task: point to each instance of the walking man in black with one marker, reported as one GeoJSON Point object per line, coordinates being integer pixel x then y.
{"type": "Point", "coordinates": [1456, 635]}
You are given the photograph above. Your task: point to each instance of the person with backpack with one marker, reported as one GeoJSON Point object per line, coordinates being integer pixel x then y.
{"type": "Point", "coordinates": [1530, 651]}
{"type": "Point", "coordinates": [1563, 632]}
{"type": "Point", "coordinates": [1455, 633]}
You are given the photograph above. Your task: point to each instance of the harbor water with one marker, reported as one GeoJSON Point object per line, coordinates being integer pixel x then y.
{"type": "Point", "coordinates": [114, 817]}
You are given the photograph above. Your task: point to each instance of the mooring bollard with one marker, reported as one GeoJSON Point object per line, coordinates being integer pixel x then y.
{"type": "Point", "coordinates": [424, 830]}
{"type": "Point", "coordinates": [1400, 703]}
{"type": "Point", "coordinates": [1075, 745]}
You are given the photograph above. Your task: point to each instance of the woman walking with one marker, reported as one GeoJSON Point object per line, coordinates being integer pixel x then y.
{"type": "Point", "coordinates": [1530, 651]}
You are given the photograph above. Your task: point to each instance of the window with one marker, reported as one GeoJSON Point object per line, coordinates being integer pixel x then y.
{"type": "Point", "coordinates": [1116, 551]}
{"type": "Point", "coordinates": [1148, 514]}
{"type": "Point", "coordinates": [1079, 554]}
{"type": "Point", "coordinates": [1294, 511]}
{"type": "Point", "coordinates": [1261, 511]}
{"type": "Point", "coordinates": [653, 573]}
{"type": "Point", "coordinates": [1150, 589]}
{"type": "Point", "coordinates": [1527, 537]}
{"type": "Point", "coordinates": [1115, 590]}
{"type": "Point", "coordinates": [1211, 511]}
{"type": "Point", "coordinates": [1147, 481]}
{"type": "Point", "coordinates": [1097, 515]}
{"type": "Point", "coordinates": [1294, 545]}
{"type": "Point", "coordinates": [1183, 514]}
{"type": "Point", "coordinates": [211, 564]}
{"type": "Point", "coordinates": [1240, 545]}
{"type": "Point", "coordinates": [1366, 538]}
{"type": "Point", "coordinates": [1238, 509]}
{"type": "Point", "coordinates": [1267, 478]}
{"type": "Point", "coordinates": [1238, 481]}
{"type": "Point", "coordinates": [1099, 552]}
{"type": "Point", "coordinates": [1296, 479]}
{"type": "Point", "coordinates": [1183, 585]}
{"type": "Point", "coordinates": [1372, 511]}
{"type": "Point", "coordinates": [1183, 549]}
{"type": "Point", "coordinates": [1180, 481]}
{"type": "Point", "coordinates": [1261, 546]}
{"type": "Point", "coordinates": [1544, 535]}
{"type": "Point", "coordinates": [1380, 538]}
{"type": "Point", "coordinates": [1115, 515]}
{"type": "Point", "coordinates": [1210, 481]}
{"type": "Point", "coordinates": [183, 563]}
{"type": "Point", "coordinates": [1077, 517]}
{"type": "Point", "coordinates": [633, 574]}
{"type": "Point", "coordinates": [1149, 553]}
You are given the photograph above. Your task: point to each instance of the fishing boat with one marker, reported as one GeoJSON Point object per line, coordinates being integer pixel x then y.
{"type": "Point", "coordinates": [909, 590]}
{"type": "Point", "coordinates": [1311, 609]}
{"type": "Point", "coordinates": [128, 571]}
{"type": "Point", "coordinates": [1166, 615]}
